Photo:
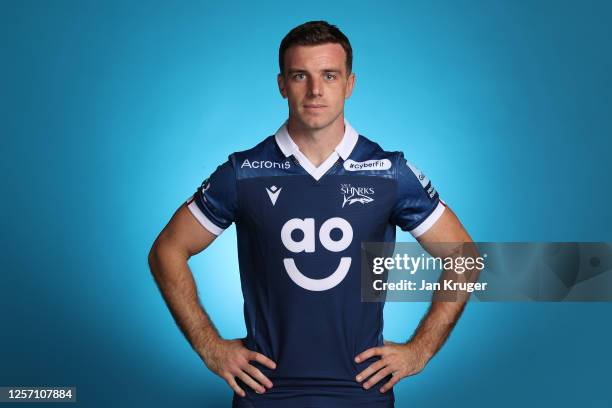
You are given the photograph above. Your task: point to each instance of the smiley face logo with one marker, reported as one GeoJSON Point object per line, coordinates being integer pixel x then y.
{"type": "Point", "coordinates": [307, 244]}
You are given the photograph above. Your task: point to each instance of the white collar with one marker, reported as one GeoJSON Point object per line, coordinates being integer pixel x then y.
{"type": "Point", "coordinates": [343, 150]}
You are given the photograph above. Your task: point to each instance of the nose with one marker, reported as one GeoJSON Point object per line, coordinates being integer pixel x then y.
{"type": "Point", "coordinates": [315, 87]}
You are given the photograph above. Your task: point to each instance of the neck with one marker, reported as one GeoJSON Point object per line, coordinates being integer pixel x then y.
{"type": "Point", "coordinates": [317, 144]}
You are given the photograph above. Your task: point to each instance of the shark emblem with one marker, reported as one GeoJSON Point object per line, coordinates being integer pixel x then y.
{"type": "Point", "coordinates": [356, 197]}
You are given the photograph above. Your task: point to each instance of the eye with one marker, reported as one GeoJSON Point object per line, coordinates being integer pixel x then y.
{"type": "Point", "coordinates": [330, 77]}
{"type": "Point", "coordinates": [299, 76]}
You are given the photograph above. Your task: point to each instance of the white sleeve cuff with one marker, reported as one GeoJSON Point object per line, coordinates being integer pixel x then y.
{"type": "Point", "coordinates": [428, 222]}
{"type": "Point", "coordinates": [203, 219]}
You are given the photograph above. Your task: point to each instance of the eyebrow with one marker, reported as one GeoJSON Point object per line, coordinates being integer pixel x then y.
{"type": "Point", "coordinates": [300, 70]}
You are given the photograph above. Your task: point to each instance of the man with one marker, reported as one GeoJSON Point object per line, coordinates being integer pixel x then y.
{"type": "Point", "coordinates": [303, 200]}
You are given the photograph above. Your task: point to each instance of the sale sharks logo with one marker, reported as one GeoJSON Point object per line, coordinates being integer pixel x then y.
{"type": "Point", "coordinates": [352, 195]}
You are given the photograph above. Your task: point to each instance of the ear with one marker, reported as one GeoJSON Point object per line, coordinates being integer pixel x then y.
{"type": "Point", "coordinates": [281, 85]}
{"type": "Point", "coordinates": [350, 83]}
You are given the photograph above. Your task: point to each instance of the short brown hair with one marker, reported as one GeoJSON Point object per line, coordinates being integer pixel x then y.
{"type": "Point", "coordinates": [315, 33]}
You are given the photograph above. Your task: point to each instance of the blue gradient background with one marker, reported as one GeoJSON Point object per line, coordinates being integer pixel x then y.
{"type": "Point", "coordinates": [112, 113]}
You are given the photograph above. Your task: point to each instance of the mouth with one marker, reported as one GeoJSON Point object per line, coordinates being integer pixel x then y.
{"type": "Point", "coordinates": [314, 106]}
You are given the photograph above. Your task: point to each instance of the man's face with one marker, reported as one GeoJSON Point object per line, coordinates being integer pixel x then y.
{"type": "Point", "coordinates": [316, 84]}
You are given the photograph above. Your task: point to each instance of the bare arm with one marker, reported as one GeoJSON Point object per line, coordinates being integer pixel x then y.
{"type": "Point", "coordinates": [441, 317]}
{"type": "Point", "coordinates": [410, 358]}
{"type": "Point", "coordinates": [182, 238]}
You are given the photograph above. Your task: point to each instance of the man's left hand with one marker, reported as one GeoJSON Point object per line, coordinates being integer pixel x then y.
{"type": "Point", "coordinates": [400, 360]}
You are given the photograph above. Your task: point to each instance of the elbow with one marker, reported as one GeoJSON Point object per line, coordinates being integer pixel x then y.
{"type": "Point", "coordinates": [164, 252]}
{"type": "Point", "coordinates": [154, 256]}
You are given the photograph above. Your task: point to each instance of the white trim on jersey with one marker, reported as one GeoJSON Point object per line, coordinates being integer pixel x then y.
{"type": "Point", "coordinates": [343, 150]}
{"type": "Point", "coordinates": [429, 221]}
{"type": "Point", "coordinates": [203, 219]}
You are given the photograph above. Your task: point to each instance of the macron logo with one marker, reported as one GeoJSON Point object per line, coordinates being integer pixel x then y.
{"type": "Point", "coordinates": [273, 193]}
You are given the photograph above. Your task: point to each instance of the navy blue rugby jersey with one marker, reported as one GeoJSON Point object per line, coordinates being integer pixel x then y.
{"type": "Point", "coordinates": [299, 231]}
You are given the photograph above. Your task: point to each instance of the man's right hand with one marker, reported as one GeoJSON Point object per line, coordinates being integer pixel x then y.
{"type": "Point", "coordinates": [230, 359]}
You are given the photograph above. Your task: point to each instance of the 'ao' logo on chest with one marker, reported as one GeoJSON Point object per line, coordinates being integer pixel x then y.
{"type": "Point", "coordinates": [307, 244]}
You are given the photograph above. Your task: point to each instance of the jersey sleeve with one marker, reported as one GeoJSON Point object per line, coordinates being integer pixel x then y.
{"type": "Point", "coordinates": [417, 206]}
{"type": "Point", "coordinates": [214, 203]}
